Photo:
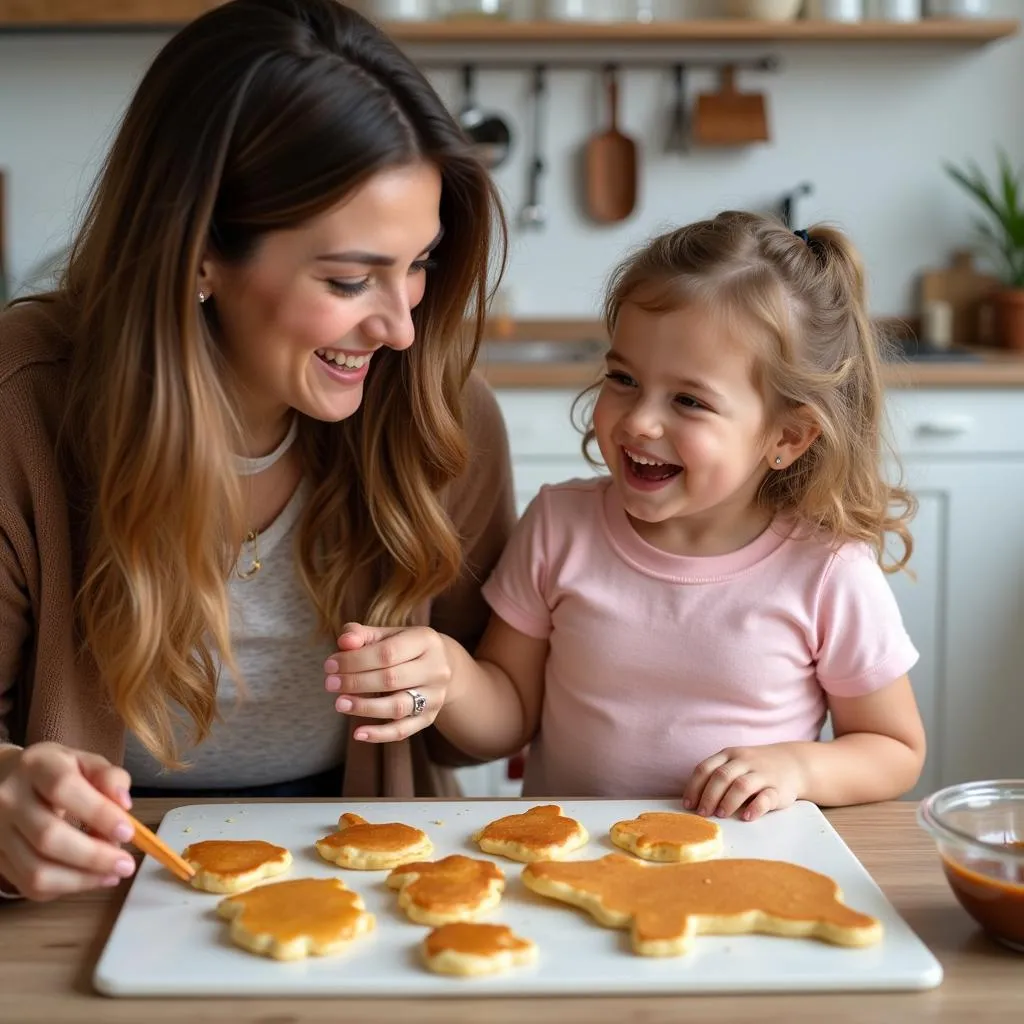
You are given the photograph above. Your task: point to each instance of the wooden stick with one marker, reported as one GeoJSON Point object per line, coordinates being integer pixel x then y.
{"type": "Point", "coordinates": [149, 843]}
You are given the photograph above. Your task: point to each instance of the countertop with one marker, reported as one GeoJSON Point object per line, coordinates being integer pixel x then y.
{"type": "Point", "coordinates": [995, 368]}
{"type": "Point", "coordinates": [990, 367]}
{"type": "Point", "coordinates": [48, 952]}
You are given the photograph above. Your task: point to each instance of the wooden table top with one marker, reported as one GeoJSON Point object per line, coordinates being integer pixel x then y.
{"type": "Point", "coordinates": [48, 953]}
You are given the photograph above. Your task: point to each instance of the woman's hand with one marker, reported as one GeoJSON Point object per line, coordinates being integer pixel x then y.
{"type": "Point", "coordinates": [43, 856]}
{"type": "Point", "coordinates": [378, 673]}
{"type": "Point", "coordinates": [758, 779]}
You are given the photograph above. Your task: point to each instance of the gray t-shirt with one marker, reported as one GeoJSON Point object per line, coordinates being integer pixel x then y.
{"type": "Point", "coordinates": [283, 726]}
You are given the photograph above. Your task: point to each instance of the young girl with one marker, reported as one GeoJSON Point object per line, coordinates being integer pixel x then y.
{"type": "Point", "coordinates": [681, 627]}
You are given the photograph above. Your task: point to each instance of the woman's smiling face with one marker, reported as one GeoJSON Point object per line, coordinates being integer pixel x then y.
{"type": "Point", "coordinates": [301, 318]}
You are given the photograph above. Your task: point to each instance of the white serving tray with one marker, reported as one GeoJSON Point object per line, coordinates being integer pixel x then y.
{"type": "Point", "coordinates": [169, 941]}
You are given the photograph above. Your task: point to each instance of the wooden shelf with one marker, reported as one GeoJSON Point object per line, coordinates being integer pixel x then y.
{"type": "Point", "coordinates": [737, 30]}
{"type": "Point", "coordinates": [26, 15]}
{"type": "Point", "coordinates": [98, 14]}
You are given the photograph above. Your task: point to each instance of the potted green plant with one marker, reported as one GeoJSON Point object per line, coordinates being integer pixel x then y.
{"type": "Point", "coordinates": [1002, 230]}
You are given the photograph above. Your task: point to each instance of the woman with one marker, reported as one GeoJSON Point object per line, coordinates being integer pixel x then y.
{"type": "Point", "coordinates": [244, 419]}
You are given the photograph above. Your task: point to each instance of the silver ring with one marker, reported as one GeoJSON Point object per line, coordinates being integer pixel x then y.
{"type": "Point", "coordinates": [419, 703]}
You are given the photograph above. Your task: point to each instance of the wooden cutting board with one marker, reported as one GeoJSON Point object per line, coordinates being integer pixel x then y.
{"type": "Point", "coordinates": [965, 289]}
{"type": "Point", "coordinates": [730, 117]}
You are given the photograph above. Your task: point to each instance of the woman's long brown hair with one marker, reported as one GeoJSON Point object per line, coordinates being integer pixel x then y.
{"type": "Point", "coordinates": [254, 118]}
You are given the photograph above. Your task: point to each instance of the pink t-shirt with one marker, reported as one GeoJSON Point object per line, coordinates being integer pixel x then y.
{"type": "Point", "coordinates": [658, 661]}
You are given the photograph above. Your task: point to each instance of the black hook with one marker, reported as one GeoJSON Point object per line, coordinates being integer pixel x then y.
{"type": "Point", "coordinates": [805, 188]}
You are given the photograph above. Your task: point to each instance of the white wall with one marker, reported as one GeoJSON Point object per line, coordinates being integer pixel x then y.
{"type": "Point", "coordinates": [869, 125]}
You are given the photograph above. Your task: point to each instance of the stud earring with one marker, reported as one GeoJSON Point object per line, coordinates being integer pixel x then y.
{"type": "Point", "coordinates": [778, 460]}
{"type": "Point", "coordinates": [202, 297]}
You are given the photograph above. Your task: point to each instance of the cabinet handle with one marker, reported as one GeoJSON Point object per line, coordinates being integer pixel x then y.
{"type": "Point", "coordinates": [945, 426]}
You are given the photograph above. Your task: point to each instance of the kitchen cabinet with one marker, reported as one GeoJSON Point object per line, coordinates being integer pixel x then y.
{"type": "Point", "coordinates": [962, 452]}
{"type": "Point", "coordinates": [545, 443]}
{"type": "Point", "coordinates": [965, 612]}
{"type": "Point", "coordinates": [963, 457]}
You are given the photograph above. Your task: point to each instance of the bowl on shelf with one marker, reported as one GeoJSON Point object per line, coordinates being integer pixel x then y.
{"type": "Point", "coordinates": [978, 828]}
{"type": "Point", "coordinates": [764, 10]}
{"type": "Point", "coordinates": [913, 350]}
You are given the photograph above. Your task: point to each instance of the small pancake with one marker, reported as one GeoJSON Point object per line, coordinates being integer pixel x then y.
{"type": "Point", "coordinates": [669, 836]}
{"type": "Point", "coordinates": [234, 865]}
{"type": "Point", "coordinates": [295, 919]}
{"type": "Point", "coordinates": [468, 949]}
{"type": "Point", "coordinates": [541, 833]}
{"type": "Point", "coordinates": [363, 846]}
{"type": "Point", "coordinates": [456, 888]}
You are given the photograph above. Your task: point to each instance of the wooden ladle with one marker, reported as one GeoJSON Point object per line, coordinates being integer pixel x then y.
{"type": "Point", "coordinates": [610, 165]}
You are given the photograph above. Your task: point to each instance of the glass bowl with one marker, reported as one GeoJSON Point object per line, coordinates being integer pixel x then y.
{"type": "Point", "coordinates": [978, 828]}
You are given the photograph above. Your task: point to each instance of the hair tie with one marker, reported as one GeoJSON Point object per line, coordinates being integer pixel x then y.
{"type": "Point", "coordinates": [803, 236]}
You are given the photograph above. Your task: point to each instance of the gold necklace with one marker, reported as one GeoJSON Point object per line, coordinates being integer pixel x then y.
{"type": "Point", "coordinates": [250, 467]}
{"type": "Point", "coordinates": [252, 537]}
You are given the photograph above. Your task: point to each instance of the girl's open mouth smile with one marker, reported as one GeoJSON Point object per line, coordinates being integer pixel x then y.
{"type": "Point", "coordinates": [646, 473]}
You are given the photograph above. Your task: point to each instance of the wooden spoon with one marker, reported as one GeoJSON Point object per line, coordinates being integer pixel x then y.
{"type": "Point", "coordinates": [611, 165]}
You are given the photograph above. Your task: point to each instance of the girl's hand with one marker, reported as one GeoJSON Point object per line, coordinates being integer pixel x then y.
{"type": "Point", "coordinates": [759, 779]}
{"type": "Point", "coordinates": [42, 856]}
{"type": "Point", "coordinates": [378, 672]}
